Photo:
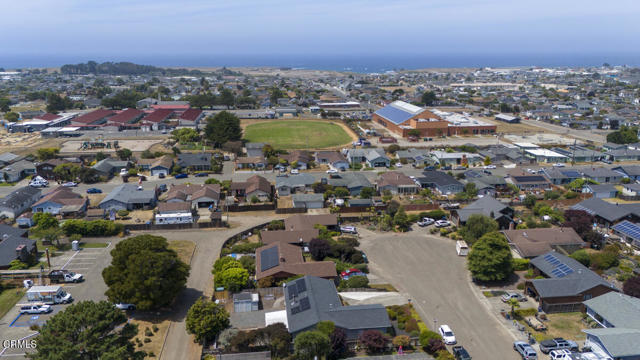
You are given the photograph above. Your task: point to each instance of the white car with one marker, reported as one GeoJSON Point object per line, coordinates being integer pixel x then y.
{"type": "Point", "coordinates": [426, 221]}
{"type": "Point", "coordinates": [448, 336]}
{"type": "Point", "coordinates": [124, 172]}
{"type": "Point", "coordinates": [70, 184]}
{"type": "Point", "coordinates": [558, 165]}
{"type": "Point", "coordinates": [348, 229]}
{"type": "Point", "coordinates": [332, 171]}
{"type": "Point", "coordinates": [398, 164]}
{"type": "Point", "coordinates": [489, 166]}
{"type": "Point", "coordinates": [295, 171]}
{"type": "Point", "coordinates": [124, 306]}
{"type": "Point", "coordinates": [442, 223]}
{"type": "Point", "coordinates": [531, 171]}
{"type": "Point", "coordinates": [563, 354]}
{"type": "Point", "coordinates": [35, 309]}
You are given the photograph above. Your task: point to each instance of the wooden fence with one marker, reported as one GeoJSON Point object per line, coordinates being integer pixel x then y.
{"type": "Point", "coordinates": [196, 225]}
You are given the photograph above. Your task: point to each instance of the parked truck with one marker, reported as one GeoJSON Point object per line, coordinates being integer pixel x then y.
{"type": "Point", "coordinates": [64, 276]}
{"type": "Point", "coordinates": [49, 295]}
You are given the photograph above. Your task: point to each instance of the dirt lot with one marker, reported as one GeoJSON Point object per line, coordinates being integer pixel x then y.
{"type": "Point", "coordinates": [519, 129]}
{"type": "Point", "coordinates": [157, 337]}
{"type": "Point", "coordinates": [137, 217]}
{"type": "Point", "coordinates": [73, 146]}
{"type": "Point", "coordinates": [184, 248]}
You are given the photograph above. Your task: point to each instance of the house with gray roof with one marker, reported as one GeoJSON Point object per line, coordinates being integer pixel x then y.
{"type": "Point", "coordinates": [630, 171]}
{"type": "Point", "coordinates": [566, 285]}
{"type": "Point", "coordinates": [579, 153]}
{"type": "Point", "coordinates": [623, 155]}
{"type": "Point", "coordinates": [310, 300]}
{"type": "Point", "coordinates": [290, 184]}
{"type": "Point", "coordinates": [602, 175]}
{"type": "Point", "coordinates": [372, 157]}
{"type": "Point", "coordinates": [108, 167]}
{"type": "Point", "coordinates": [195, 161]}
{"type": "Point", "coordinates": [604, 191]}
{"type": "Point", "coordinates": [254, 149]}
{"type": "Point", "coordinates": [18, 201]}
{"type": "Point", "coordinates": [619, 318]}
{"type": "Point", "coordinates": [15, 245]}
{"type": "Point", "coordinates": [17, 171]}
{"type": "Point", "coordinates": [354, 182]}
{"type": "Point", "coordinates": [8, 158]}
{"type": "Point", "coordinates": [441, 181]}
{"type": "Point", "coordinates": [308, 201]}
{"type": "Point", "coordinates": [561, 176]}
{"type": "Point", "coordinates": [607, 213]}
{"type": "Point", "coordinates": [488, 206]}
{"type": "Point", "coordinates": [415, 156]}
{"type": "Point", "coordinates": [128, 197]}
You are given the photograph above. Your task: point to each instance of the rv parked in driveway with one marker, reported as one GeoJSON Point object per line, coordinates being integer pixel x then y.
{"type": "Point", "coordinates": [49, 295]}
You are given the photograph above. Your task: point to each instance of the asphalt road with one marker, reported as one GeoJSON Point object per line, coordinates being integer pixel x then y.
{"type": "Point", "coordinates": [427, 268]}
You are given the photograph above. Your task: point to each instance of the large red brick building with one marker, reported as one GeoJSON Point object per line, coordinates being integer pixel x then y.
{"type": "Point", "coordinates": [401, 117]}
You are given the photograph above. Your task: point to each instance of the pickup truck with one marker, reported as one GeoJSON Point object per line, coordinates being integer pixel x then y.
{"type": "Point", "coordinates": [460, 353]}
{"type": "Point", "coordinates": [60, 276]}
{"type": "Point", "coordinates": [557, 344]}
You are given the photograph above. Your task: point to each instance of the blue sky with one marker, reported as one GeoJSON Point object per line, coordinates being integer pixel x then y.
{"type": "Point", "coordinates": [118, 28]}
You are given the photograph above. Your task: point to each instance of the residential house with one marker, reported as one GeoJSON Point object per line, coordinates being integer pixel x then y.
{"type": "Point", "coordinates": [332, 158]}
{"type": "Point", "coordinates": [191, 118]}
{"type": "Point", "coordinates": [308, 201]}
{"type": "Point", "coordinates": [525, 181]}
{"type": "Point", "coordinates": [613, 146]}
{"type": "Point", "coordinates": [198, 195]}
{"type": "Point", "coordinates": [8, 158]}
{"type": "Point", "coordinates": [254, 149]}
{"type": "Point", "coordinates": [579, 154]}
{"type": "Point", "coordinates": [566, 285]}
{"type": "Point", "coordinates": [372, 157]}
{"type": "Point", "coordinates": [455, 158]}
{"type": "Point", "coordinates": [256, 186]}
{"type": "Point", "coordinates": [529, 243]}
{"type": "Point", "coordinates": [311, 300]}
{"type": "Point", "coordinates": [174, 213]}
{"type": "Point", "coordinates": [354, 182]}
{"type": "Point", "coordinates": [488, 206]}
{"type": "Point", "coordinates": [162, 165]}
{"type": "Point", "coordinates": [541, 155]}
{"type": "Point", "coordinates": [396, 183]}
{"type": "Point", "coordinates": [501, 153]}
{"type": "Point", "coordinates": [282, 260]}
{"type": "Point", "coordinates": [306, 222]}
{"type": "Point", "coordinates": [300, 158]}
{"type": "Point", "coordinates": [18, 201]}
{"type": "Point", "coordinates": [623, 155]}
{"type": "Point", "coordinates": [45, 168]}
{"type": "Point", "coordinates": [108, 167]}
{"type": "Point", "coordinates": [61, 201]}
{"type": "Point", "coordinates": [607, 213]}
{"type": "Point", "coordinates": [440, 181]}
{"type": "Point", "coordinates": [602, 175]}
{"type": "Point", "coordinates": [619, 318]}
{"type": "Point", "coordinates": [630, 171]}
{"type": "Point", "coordinates": [128, 197]}
{"type": "Point", "coordinates": [604, 191]}
{"type": "Point", "coordinates": [254, 162]}
{"type": "Point", "coordinates": [561, 176]}
{"type": "Point", "coordinates": [195, 161]}
{"type": "Point", "coordinates": [290, 184]}
{"type": "Point", "coordinates": [17, 171]}
{"type": "Point", "coordinates": [15, 245]}
{"type": "Point", "coordinates": [415, 156]}
{"type": "Point", "coordinates": [629, 232]}
{"type": "Point", "coordinates": [294, 237]}
{"type": "Point", "coordinates": [630, 191]}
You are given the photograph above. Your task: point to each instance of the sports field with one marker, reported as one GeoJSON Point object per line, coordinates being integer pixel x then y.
{"type": "Point", "coordinates": [292, 134]}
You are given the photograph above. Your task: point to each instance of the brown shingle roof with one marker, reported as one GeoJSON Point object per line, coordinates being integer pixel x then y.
{"type": "Point", "coordinates": [191, 189]}
{"type": "Point", "coordinates": [535, 242]}
{"type": "Point", "coordinates": [62, 195]}
{"type": "Point", "coordinates": [306, 222]}
{"type": "Point", "coordinates": [291, 262]}
{"type": "Point", "coordinates": [394, 178]}
{"type": "Point", "coordinates": [291, 237]}
{"type": "Point", "coordinates": [175, 206]}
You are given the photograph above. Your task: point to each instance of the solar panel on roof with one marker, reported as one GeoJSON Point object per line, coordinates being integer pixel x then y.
{"type": "Point", "coordinates": [628, 228]}
{"type": "Point", "coordinates": [305, 304]}
{"type": "Point", "coordinates": [570, 271]}
{"type": "Point", "coordinates": [557, 272]}
{"type": "Point", "coordinates": [393, 114]}
{"type": "Point", "coordinates": [549, 257]}
{"type": "Point", "coordinates": [302, 285]}
{"type": "Point", "coordinates": [269, 258]}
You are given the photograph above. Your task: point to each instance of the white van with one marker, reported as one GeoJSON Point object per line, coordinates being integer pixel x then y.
{"type": "Point", "coordinates": [462, 248]}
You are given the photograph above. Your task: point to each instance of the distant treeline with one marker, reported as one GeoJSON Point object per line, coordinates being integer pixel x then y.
{"type": "Point", "coordinates": [123, 68]}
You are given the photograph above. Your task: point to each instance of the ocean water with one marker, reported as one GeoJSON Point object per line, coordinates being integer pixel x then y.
{"type": "Point", "coordinates": [361, 63]}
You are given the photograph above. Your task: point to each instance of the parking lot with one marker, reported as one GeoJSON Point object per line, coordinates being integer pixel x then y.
{"type": "Point", "coordinates": [90, 262]}
{"type": "Point", "coordinates": [428, 270]}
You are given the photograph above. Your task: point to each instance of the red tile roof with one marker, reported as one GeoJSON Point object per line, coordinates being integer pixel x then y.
{"type": "Point", "coordinates": [191, 114]}
{"type": "Point", "coordinates": [158, 115]}
{"type": "Point", "coordinates": [93, 116]}
{"type": "Point", "coordinates": [126, 116]}
{"type": "Point", "coordinates": [170, 107]}
{"type": "Point", "coordinates": [48, 117]}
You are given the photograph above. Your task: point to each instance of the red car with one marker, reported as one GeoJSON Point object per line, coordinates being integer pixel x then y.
{"type": "Point", "coordinates": [345, 275]}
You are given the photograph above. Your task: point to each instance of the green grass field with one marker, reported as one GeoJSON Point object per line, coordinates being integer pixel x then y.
{"type": "Point", "coordinates": [307, 134]}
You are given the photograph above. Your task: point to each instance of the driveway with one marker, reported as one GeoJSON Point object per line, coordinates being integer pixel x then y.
{"type": "Point", "coordinates": [179, 344]}
{"type": "Point", "coordinates": [427, 268]}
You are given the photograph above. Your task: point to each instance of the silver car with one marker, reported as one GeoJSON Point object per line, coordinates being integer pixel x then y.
{"type": "Point", "coordinates": [525, 350]}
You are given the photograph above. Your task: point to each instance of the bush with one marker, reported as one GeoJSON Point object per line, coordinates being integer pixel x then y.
{"type": "Point", "coordinates": [582, 257]}
{"type": "Point", "coordinates": [604, 260]}
{"type": "Point", "coordinates": [520, 286]}
{"type": "Point", "coordinates": [411, 325]}
{"type": "Point", "coordinates": [245, 248]}
{"type": "Point", "coordinates": [401, 340]}
{"type": "Point", "coordinates": [148, 332]}
{"type": "Point", "coordinates": [526, 312]}
{"type": "Point", "coordinates": [91, 228]}
{"type": "Point", "coordinates": [426, 337]}
{"type": "Point", "coordinates": [520, 264]}
{"type": "Point", "coordinates": [147, 340]}
{"type": "Point", "coordinates": [392, 314]}
{"type": "Point", "coordinates": [444, 355]}
{"type": "Point", "coordinates": [435, 214]}
{"type": "Point", "coordinates": [155, 328]}
{"type": "Point", "coordinates": [122, 213]}
{"type": "Point", "coordinates": [373, 340]}
{"type": "Point", "coordinates": [265, 282]}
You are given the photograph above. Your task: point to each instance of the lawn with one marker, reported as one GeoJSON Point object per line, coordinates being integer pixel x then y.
{"type": "Point", "coordinates": [184, 248]}
{"type": "Point", "coordinates": [307, 134]}
{"type": "Point", "coordinates": [9, 298]}
{"type": "Point", "coordinates": [564, 325]}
